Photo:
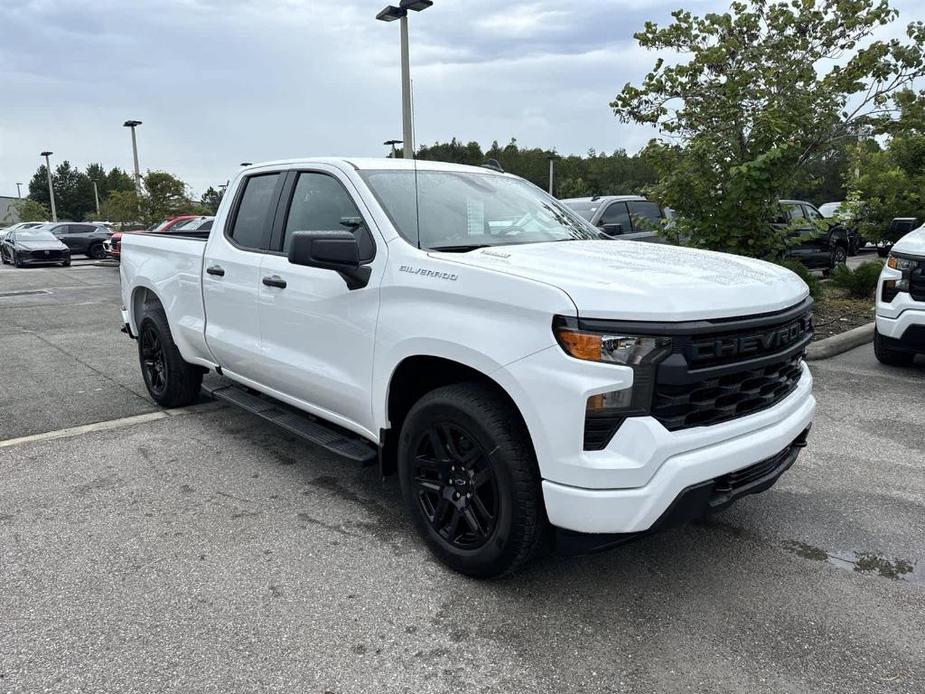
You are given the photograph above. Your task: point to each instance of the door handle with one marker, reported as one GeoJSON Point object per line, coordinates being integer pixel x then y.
{"type": "Point", "coordinates": [216, 270]}
{"type": "Point", "coordinates": [275, 281]}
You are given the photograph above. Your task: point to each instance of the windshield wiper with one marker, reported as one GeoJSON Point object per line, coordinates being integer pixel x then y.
{"type": "Point", "coordinates": [460, 249]}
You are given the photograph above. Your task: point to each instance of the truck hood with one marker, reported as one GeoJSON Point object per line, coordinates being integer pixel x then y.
{"type": "Point", "coordinates": [912, 243]}
{"type": "Point", "coordinates": [632, 280]}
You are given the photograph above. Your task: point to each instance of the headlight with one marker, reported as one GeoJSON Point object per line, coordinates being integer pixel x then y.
{"type": "Point", "coordinates": [628, 350]}
{"type": "Point", "coordinates": [893, 287]}
{"type": "Point", "coordinates": [902, 264]}
{"type": "Point", "coordinates": [605, 412]}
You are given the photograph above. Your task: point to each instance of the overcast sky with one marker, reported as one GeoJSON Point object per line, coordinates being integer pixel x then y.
{"type": "Point", "coordinates": [218, 82]}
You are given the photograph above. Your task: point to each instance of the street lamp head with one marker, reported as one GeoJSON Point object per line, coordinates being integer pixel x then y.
{"type": "Point", "coordinates": [393, 142]}
{"type": "Point", "coordinates": [247, 163]}
{"type": "Point", "coordinates": [47, 154]}
{"type": "Point", "coordinates": [391, 13]}
{"type": "Point", "coordinates": [131, 123]}
{"type": "Point", "coordinates": [416, 5]}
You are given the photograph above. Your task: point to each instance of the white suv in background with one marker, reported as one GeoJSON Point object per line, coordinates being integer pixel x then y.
{"type": "Point", "coordinates": [900, 332]}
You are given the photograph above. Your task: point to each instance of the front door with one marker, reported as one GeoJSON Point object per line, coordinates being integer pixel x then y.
{"type": "Point", "coordinates": [317, 336]}
{"type": "Point", "coordinates": [231, 274]}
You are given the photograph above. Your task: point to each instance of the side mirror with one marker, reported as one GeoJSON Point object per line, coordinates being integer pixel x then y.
{"type": "Point", "coordinates": [330, 250]}
{"type": "Point", "coordinates": [612, 229]}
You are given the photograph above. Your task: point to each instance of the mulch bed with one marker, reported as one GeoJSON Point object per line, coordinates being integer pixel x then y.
{"type": "Point", "coordinates": [835, 313]}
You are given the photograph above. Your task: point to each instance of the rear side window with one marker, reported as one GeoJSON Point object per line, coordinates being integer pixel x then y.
{"type": "Point", "coordinates": [321, 203]}
{"type": "Point", "coordinates": [796, 212]}
{"type": "Point", "coordinates": [646, 215]}
{"type": "Point", "coordinates": [254, 215]}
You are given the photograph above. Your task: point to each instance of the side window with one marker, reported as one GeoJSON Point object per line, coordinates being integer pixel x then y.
{"type": "Point", "coordinates": [60, 229]}
{"type": "Point", "coordinates": [795, 212]}
{"type": "Point", "coordinates": [812, 213]}
{"type": "Point", "coordinates": [646, 215]}
{"type": "Point", "coordinates": [82, 228]}
{"type": "Point", "coordinates": [616, 213]}
{"type": "Point", "coordinates": [254, 214]}
{"type": "Point", "coordinates": [321, 203]}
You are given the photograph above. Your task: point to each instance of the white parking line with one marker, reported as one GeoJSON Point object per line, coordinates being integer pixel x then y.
{"type": "Point", "coordinates": [110, 424]}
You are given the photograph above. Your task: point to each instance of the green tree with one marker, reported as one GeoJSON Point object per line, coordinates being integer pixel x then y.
{"type": "Point", "coordinates": [120, 206]}
{"type": "Point", "coordinates": [763, 91]}
{"type": "Point", "coordinates": [211, 199]}
{"type": "Point", "coordinates": [164, 196]}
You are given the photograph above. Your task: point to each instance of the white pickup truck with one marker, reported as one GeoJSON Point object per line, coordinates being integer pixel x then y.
{"type": "Point", "coordinates": [534, 384]}
{"type": "Point", "coordinates": [900, 320]}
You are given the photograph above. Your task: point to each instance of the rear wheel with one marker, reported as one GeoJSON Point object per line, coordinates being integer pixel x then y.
{"type": "Point", "coordinates": [171, 382]}
{"type": "Point", "coordinates": [470, 480]}
{"type": "Point", "coordinates": [891, 357]}
{"type": "Point", "coordinates": [96, 251]}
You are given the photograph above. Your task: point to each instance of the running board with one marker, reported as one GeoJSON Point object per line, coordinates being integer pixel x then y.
{"type": "Point", "coordinates": [328, 436]}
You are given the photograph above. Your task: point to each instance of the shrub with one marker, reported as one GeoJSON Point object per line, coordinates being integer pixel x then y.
{"type": "Point", "coordinates": [860, 283]}
{"type": "Point", "coordinates": [815, 286]}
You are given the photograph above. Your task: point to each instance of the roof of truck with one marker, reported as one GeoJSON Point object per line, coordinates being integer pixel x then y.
{"type": "Point", "coordinates": [371, 163]}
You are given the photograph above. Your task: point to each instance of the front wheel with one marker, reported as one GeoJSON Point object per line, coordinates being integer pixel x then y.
{"type": "Point", "coordinates": [171, 382]}
{"type": "Point", "coordinates": [96, 251]}
{"type": "Point", "coordinates": [840, 255]}
{"type": "Point", "coordinates": [470, 481]}
{"type": "Point", "coordinates": [888, 356]}
{"type": "Point", "coordinates": [16, 261]}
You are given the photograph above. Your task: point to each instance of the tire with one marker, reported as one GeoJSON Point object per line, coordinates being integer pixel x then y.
{"type": "Point", "coordinates": [96, 251]}
{"type": "Point", "coordinates": [66, 263]}
{"type": "Point", "coordinates": [840, 254]}
{"type": "Point", "coordinates": [496, 481]}
{"type": "Point", "coordinates": [16, 261]}
{"type": "Point", "coordinates": [171, 382]}
{"type": "Point", "coordinates": [888, 356]}
{"type": "Point", "coordinates": [3, 260]}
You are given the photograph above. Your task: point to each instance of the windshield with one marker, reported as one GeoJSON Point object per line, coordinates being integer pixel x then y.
{"type": "Point", "coordinates": [460, 211]}
{"type": "Point", "coordinates": [585, 209]}
{"type": "Point", "coordinates": [34, 235]}
{"type": "Point", "coordinates": [830, 209]}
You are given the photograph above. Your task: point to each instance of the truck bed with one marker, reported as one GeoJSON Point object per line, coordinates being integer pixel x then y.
{"type": "Point", "coordinates": [170, 265]}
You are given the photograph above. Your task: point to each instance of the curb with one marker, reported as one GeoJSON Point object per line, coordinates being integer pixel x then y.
{"type": "Point", "coordinates": [838, 344]}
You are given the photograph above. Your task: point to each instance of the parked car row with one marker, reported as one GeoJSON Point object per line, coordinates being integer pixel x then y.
{"type": "Point", "coordinates": [187, 222]}
{"type": "Point", "coordinates": [818, 245]}
{"type": "Point", "coordinates": [54, 242]}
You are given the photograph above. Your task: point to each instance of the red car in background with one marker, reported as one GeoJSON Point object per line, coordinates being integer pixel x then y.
{"type": "Point", "coordinates": [114, 245]}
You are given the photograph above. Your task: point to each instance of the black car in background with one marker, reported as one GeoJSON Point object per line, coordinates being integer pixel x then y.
{"type": "Point", "coordinates": [818, 244]}
{"type": "Point", "coordinates": [32, 247]}
{"type": "Point", "coordinates": [899, 227]}
{"type": "Point", "coordinates": [81, 237]}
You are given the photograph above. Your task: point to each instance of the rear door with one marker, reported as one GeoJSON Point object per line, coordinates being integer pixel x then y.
{"type": "Point", "coordinates": [616, 214]}
{"type": "Point", "coordinates": [231, 274]}
{"type": "Point", "coordinates": [646, 218]}
{"type": "Point", "coordinates": [820, 243]}
{"type": "Point", "coordinates": [317, 335]}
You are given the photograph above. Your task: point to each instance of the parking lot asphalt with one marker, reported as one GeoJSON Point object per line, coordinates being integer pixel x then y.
{"type": "Point", "coordinates": [210, 552]}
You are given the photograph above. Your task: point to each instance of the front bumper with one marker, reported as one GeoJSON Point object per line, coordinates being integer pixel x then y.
{"type": "Point", "coordinates": [901, 322]}
{"type": "Point", "coordinates": [695, 501]}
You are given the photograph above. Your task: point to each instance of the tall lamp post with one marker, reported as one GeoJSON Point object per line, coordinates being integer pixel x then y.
{"type": "Point", "coordinates": [51, 190]}
{"type": "Point", "coordinates": [552, 171]}
{"type": "Point", "coordinates": [134, 124]}
{"type": "Point", "coordinates": [392, 143]}
{"type": "Point", "coordinates": [390, 14]}
{"type": "Point", "coordinates": [96, 196]}
{"type": "Point", "coordinates": [19, 190]}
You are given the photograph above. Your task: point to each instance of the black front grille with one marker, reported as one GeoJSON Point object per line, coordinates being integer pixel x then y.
{"type": "Point", "coordinates": [735, 369]}
{"type": "Point", "coordinates": [917, 282]}
{"type": "Point", "coordinates": [738, 480]}
{"type": "Point", "coordinates": [722, 398]}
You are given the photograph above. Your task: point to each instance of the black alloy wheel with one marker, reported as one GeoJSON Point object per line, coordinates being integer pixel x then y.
{"type": "Point", "coordinates": [153, 363]}
{"type": "Point", "coordinates": [97, 252]}
{"type": "Point", "coordinates": [455, 485]}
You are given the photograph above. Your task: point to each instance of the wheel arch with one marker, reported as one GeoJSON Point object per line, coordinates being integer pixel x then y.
{"type": "Point", "coordinates": [413, 377]}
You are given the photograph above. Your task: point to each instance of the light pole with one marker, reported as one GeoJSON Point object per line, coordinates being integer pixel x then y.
{"type": "Point", "coordinates": [390, 14]}
{"type": "Point", "coordinates": [393, 143]}
{"type": "Point", "coordinates": [134, 124]}
{"type": "Point", "coordinates": [552, 171]}
{"type": "Point", "coordinates": [19, 190]}
{"type": "Point", "coordinates": [96, 196]}
{"type": "Point", "coordinates": [51, 190]}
